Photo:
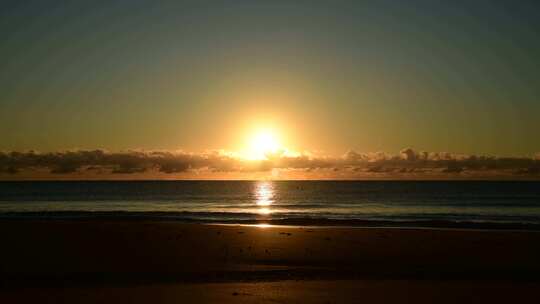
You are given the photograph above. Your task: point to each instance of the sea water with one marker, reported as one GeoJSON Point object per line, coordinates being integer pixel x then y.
{"type": "Point", "coordinates": [274, 201]}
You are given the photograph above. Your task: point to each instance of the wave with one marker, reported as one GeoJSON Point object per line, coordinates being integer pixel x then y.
{"type": "Point", "coordinates": [521, 223]}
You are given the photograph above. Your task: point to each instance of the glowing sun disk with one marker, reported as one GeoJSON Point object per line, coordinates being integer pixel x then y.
{"type": "Point", "coordinates": [261, 144]}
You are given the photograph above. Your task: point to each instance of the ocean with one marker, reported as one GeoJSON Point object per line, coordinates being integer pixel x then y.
{"type": "Point", "coordinates": [407, 203]}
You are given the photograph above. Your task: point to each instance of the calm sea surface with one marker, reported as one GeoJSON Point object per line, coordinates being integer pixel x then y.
{"type": "Point", "coordinates": [238, 201]}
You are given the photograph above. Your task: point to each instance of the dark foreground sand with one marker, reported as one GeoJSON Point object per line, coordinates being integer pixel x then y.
{"type": "Point", "coordinates": [166, 262]}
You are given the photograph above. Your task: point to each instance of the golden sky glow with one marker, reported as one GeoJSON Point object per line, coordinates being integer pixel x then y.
{"type": "Point", "coordinates": [269, 89]}
{"type": "Point", "coordinates": [361, 75]}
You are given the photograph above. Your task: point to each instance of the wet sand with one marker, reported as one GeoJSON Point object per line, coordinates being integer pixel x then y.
{"type": "Point", "coordinates": [166, 262]}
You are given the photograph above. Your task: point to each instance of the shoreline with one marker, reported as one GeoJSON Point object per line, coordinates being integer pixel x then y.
{"type": "Point", "coordinates": [182, 218]}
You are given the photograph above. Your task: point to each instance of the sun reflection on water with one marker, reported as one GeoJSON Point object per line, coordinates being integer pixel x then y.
{"type": "Point", "coordinates": [263, 225]}
{"type": "Point", "coordinates": [265, 211]}
{"type": "Point", "coordinates": [264, 196]}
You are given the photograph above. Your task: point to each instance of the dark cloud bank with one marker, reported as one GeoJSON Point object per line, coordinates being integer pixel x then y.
{"type": "Point", "coordinates": [407, 164]}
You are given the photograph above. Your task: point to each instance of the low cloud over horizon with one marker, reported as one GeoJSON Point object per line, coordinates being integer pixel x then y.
{"type": "Point", "coordinates": [407, 164]}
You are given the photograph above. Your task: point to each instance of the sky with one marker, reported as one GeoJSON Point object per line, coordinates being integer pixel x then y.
{"type": "Point", "coordinates": [326, 77]}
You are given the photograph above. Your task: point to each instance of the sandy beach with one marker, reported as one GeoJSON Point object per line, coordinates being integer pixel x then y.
{"type": "Point", "coordinates": [164, 262]}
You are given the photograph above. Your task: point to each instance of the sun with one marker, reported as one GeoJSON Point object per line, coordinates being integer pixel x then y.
{"type": "Point", "coordinates": [261, 144]}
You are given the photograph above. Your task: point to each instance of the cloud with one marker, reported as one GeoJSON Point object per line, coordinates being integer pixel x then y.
{"type": "Point", "coordinates": [408, 154]}
{"type": "Point", "coordinates": [408, 163]}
